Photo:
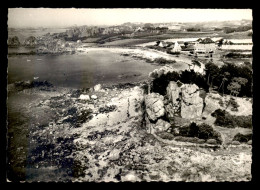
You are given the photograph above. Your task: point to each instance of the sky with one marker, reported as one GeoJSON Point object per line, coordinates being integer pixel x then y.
{"type": "Point", "coordinates": [47, 17]}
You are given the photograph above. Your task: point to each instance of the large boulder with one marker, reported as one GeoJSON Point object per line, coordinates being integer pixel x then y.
{"type": "Point", "coordinates": [191, 102]}
{"type": "Point", "coordinates": [185, 100]}
{"type": "Point", "coordinates": [154, 106]}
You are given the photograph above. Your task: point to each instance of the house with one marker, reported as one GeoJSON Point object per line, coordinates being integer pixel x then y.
{"type": "Point", "coordinates": [175, 48]}
{"type": "Point", "coordinates": [199, 40]}
{"type": "Point", "coordinates": [162, 44]}
{"type": "Point", "coordinates": [205, 46]}
{"type": "Point", "coordinates": [139, 29]}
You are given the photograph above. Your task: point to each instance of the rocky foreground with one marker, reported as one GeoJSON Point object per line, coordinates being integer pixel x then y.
{"type": "Point", "coordinates": [121, 133]}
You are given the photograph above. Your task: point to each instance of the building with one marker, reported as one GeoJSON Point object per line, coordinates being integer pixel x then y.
{"type": "Point", "coordinates": [175, 48]}
{"type": "Point", "coordinates": [162, 44]}
{"type": "Point", "coordinates": [205, 46]}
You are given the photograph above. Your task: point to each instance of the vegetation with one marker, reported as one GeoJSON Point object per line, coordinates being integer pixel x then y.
{"type": "Point", "coordinates": [202, 131]}
{"type": "Point", "coordinates": [193, 29]}
{"type": "Point", "coordinates": [163, 61]}
{"type": "Point", "coordinates": [234, 76]}
{"type": "Point", "coordinates": [238, 29]}
{"type": "Point", "coordinates": [224, 119]}
{"type": "Point", "coordinates": [235, 86]}
{"type": "Point", "coordinates": [189, 77]}
{"type": "Point", "coordinates": [237, 55]}
{"type": "Point", "coordinates": [242, 138]}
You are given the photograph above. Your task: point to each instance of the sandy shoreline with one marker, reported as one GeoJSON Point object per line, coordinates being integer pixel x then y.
{"type": "Point", "coordinates": [145, 53]}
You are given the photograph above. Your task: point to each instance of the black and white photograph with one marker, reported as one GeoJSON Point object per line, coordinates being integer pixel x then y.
{"type": "Point", "coordinates": [129, 95]}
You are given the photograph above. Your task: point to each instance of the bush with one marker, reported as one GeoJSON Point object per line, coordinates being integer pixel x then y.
{"type": "Point", "coordinates": [242, 138]}
{"type": "Point", "coordinates": [243, 71]}
{"type": "Point", "coordinates": [224, 119]}
{"type": "Point", "coordinates": [160, 84]}
{"type": "Point", "coordinates": [202, 131]}
{"type": "Point", "coordinates": [163, 61]}
{"type": "Point", "coordinates": [207, 132]}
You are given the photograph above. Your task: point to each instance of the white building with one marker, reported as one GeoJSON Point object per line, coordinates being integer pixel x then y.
{"type": "Point", "coordinates": [201, 48]}
{"type": "Point", "coordinates": [176, 48]}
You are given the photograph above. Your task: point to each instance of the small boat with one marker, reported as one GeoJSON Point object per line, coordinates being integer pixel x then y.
{"type": "Point", "coordinates": [35, 78]}
{"type": "Point", "coordinates": [28, 60]}
{"type": "Point", "coordinates": [39, 59]}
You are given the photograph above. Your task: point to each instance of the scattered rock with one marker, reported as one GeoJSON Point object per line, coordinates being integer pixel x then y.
{"type": "Point", "coordinates": [84, 97]}
{"type": "Point", "coordinates": [94, 97]}
{"type": "Point", "coordinates": [249, 142]}
{"type": "Point", "coordinates": [114, 154]}
{"type": "Point", "coordinates": [130, 177]}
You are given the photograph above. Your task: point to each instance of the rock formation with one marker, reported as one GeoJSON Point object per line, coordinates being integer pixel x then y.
{"type": "Point", "coordinates": [154, 106]}
{"type": "Point", "coordinates": [191, 102]}
{"type": "Point", "coordinates": [184, 98]}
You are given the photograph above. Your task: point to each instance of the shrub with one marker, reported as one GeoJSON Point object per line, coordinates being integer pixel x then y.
{"type": "Point", "coordinates": [160, 84]}
{"type": "Point", "coordinates": [207, 132]}
{"type": "Point", "coordinates": [242, 138]}
{"type": "Point", "coordinates": [202, 131]}
{"type": "Point", "coordinates": [225, 119]}
{"type": "Point", "coordinates": [163, 61]}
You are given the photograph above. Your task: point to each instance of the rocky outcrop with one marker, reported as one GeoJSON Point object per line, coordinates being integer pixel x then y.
{"type": "Point", "coordinates": [30, 42]}
{"type": "Point", "coordinates": [185, 100]}
{"type": "Point", "coordinates": [154, 106]}
{"type": "Point", "coordinates": [13, 41]}
{"type": "Point", "coordinates": [191, 102]}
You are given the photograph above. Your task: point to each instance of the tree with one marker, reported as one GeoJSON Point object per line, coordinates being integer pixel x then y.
{"type": "Point", "coordinates": [225, 78]}
{"type": "Point", "coordinates": [212, 71]}
{"type": "Point", "coordinates": [220, 42]}
{"type": "Point", "coordinates": [234, 88]}
{"type": "Point", "coordinates": [240, 80]}
{"type": "Point", "coordinates": [186, 44]}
